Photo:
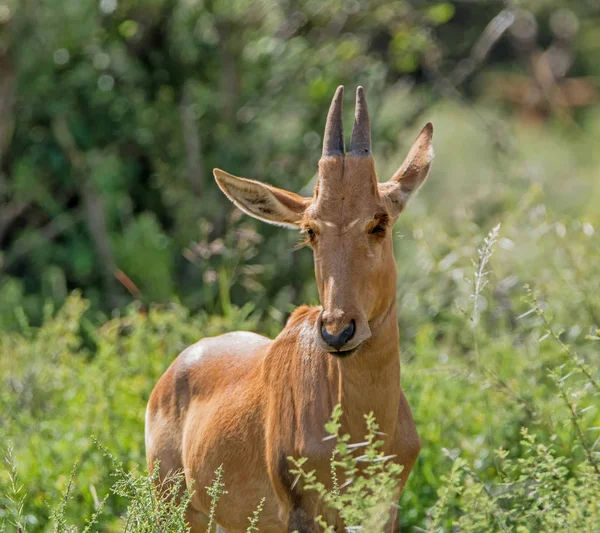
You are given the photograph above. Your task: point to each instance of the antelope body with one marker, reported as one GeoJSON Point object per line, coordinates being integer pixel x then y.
{"type": "Point", "coordinates": [247, 402]}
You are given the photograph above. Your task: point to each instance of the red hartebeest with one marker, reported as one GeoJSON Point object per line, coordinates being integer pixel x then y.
{"type": "Point", "coordinates": [248, 402]}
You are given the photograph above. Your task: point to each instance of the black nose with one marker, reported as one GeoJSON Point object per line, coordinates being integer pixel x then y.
{"type": "Point", "coordinates": [337, 341]}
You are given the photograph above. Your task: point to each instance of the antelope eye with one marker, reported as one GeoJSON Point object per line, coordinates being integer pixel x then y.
{"type": "Point", "coordinates": [310, 232]}
{"type": "Point", "coordinates": [378, 229]}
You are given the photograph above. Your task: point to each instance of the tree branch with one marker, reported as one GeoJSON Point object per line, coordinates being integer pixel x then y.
{"type": "Point", "coordinates": [193, 147]}
{"type": "Point", "coordinates": [94, 209]}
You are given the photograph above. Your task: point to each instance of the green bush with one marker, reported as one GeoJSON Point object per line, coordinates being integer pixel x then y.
{"type": "Point", "coordinates": [483, 356]}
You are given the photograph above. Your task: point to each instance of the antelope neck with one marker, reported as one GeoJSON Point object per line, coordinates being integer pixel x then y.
{"type": "Point", "coordinates": [369, 380]}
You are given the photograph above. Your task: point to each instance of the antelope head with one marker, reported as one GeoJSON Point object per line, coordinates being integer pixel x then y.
{"type": "Point", "coordinates": [347, 223]}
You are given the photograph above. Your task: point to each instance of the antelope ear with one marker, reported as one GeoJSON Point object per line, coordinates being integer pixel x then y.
{"type": "Point", "coordinates": [261, 201]}
{"type": "Point", "coordinates": [409, 177]}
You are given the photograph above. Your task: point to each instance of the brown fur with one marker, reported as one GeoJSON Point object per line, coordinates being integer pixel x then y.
{"type": "Point", "coordinates": [247, 402]}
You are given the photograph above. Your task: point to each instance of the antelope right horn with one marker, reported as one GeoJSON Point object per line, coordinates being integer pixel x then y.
{"type": "Point", "coordinates": [360, 142]}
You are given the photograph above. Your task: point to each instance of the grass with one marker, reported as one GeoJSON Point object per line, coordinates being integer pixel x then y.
{"type": "Point", "coordinates": [500, 360]}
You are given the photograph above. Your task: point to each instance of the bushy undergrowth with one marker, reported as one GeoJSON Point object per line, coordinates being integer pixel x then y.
{"type": "Point", "coordinates": [364, 496]}
{"type": "Point", "coordinates": [502, 379]}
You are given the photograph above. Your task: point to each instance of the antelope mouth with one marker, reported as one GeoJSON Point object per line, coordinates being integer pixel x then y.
{"type": "Point", "coordinates": [344, 351]}
{"type": "Point", "coordinates": [342, 354]}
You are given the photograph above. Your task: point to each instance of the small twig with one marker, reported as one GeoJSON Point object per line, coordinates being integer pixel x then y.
{"type": "Point", "coordinates": [572, 355]}
{"type": "Point", "coordinates": [191, 138]}
{"type": "Point", "coordinates": [485, 254]}
{"type": "Point", "coordinates": [55, 228]}
{"type": "Point", "coordinates": [94, 207]}
{"type": "Point", "coordinates": [487, 40]}
{"type": "Point", "coordinates": [498, 511]}
{"type": "Point", "coordinates": [573, 412]}
{"type": "Point", "coordinates": [9, 212]}
{"type": "Point", "coordinates": [128, 283]}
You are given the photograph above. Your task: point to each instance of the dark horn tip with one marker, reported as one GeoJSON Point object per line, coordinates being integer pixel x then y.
{"type": "Point", "coordinates": [338, 96]}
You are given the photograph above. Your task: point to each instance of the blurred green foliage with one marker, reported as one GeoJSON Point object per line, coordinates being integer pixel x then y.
{"type": "Point", "coordinates": [115, 112]}
{"type": "Point", "coordinates": [138, 101]}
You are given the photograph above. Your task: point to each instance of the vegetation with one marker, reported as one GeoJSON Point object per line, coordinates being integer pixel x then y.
{"type": "Point", "coordinates": [364, 498]}
{"type": "Point", "coordinates": [116, 113]}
